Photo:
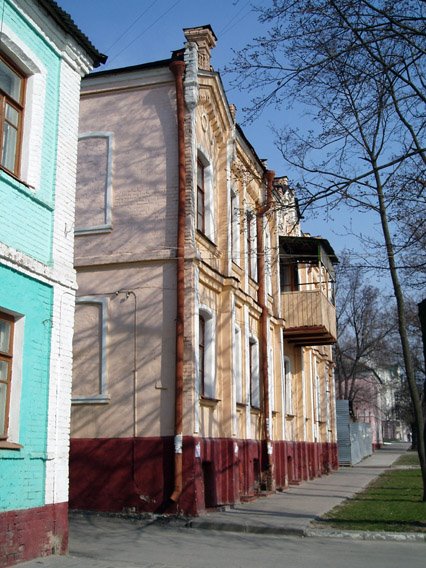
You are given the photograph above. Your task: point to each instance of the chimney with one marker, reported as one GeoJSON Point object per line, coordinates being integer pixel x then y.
{"type": "Point", "coordinates": [205, 39]}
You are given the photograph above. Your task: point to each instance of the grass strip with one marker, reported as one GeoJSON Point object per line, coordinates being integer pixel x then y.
{"type": "Point", "coordinates": [392, 502]}
{"type": "Point", "coordinates": [409, 458]}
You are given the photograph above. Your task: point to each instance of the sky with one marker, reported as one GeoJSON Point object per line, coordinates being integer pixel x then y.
{"type": "Point", "coordinates": [131, 32]}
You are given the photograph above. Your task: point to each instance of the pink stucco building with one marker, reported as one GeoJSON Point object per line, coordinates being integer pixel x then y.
{"type": "Point", "coordinates": [181, 388]}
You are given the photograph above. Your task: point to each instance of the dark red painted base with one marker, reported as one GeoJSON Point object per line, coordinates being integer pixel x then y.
{"type": "Point", "coordinates": [136, 475]}
{"type": "Point", "coordinates": [32, 533]}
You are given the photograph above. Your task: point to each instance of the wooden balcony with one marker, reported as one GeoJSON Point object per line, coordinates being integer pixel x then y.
{"type": "Point", "coordinates": [310, 318]}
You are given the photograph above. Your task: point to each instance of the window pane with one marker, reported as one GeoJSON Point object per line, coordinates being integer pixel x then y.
{"type": "Point", "coordinates": [10, 140]}
{"type": "Point", "coordinates": [200, 175]}
{"type": "Point", "coordinates": [12, 115]}
{"type": "Point", "coordinates": [4, 369]}
{"type": "Point", "coordinates": [5, 328]}
{"type": "Point", "coordinates": [10, 82]}
{"type": "Point", "coordinates": [3, 400]}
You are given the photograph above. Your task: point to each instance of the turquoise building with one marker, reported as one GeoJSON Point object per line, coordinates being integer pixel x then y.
{"type": "Point", "coordinates": [43, 56]}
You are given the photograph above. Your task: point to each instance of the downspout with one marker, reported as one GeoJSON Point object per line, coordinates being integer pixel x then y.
{"type": "Point", "coordinates": [177, 68]}
{"type": "Point", "coordinates": [261, 299]}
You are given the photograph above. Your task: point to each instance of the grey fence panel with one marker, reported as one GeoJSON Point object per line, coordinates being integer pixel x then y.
{"type": "Point", "coordinates": [354, 439]}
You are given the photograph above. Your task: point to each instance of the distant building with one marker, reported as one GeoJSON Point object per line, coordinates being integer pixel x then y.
{"type": "Point", "coordinates": [378, 402]}
{"type": "Point", "coordinates": [42, 58]}
{"type": "Point", "coordinates": [199, 379]}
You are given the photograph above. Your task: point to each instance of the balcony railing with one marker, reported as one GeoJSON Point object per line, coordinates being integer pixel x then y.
{"type": "Point", "coordinates": [310, 318]}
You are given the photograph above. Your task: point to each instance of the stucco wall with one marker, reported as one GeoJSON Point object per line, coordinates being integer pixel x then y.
{"type": "Point", "coordinates": [142, 126]}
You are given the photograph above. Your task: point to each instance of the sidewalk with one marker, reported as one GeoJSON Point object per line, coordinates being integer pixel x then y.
{"type": "Point", "coordinates": [292, 511]}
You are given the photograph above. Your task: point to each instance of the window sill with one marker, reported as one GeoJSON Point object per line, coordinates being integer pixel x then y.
{"type": "Point", "coordinates": [255, 409]}
{"type": "Point", "coordinates": [4, 445]}
{"type": "Point", "coordinates": [98, 230]}
{"type": "Point", "coordinates": [99, 399]}
{"type": "Point", "coordinates": [206, 238]}
{"type": "Point", "coordinates": [290, 416]}
{"type": "Point", "coordinates": [242, 405]}
{"type": "Point", "coordinates": [209, 402]}
{"type": "Point", "coordinates": [16, 178]}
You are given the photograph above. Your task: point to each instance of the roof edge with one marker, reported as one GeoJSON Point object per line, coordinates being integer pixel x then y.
{"type": "Point", "coordinates": [64, 21]}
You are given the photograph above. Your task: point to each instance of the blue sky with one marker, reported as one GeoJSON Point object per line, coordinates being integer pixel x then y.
{"type": "Point", "coordinates": [130, 32]}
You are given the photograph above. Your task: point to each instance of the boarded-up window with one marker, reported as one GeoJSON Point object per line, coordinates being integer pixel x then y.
{"type": "Point", "coordinates": [94, 183]}
{"type": "Point", "coordinates": [89, 370]}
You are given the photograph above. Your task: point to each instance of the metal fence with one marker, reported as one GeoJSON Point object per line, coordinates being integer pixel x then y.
{"type": "Point", "coordinates": [354, 439]}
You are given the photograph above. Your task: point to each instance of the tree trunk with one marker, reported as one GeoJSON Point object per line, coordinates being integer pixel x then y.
{"type": "Point", "coordinates": [402, 328]}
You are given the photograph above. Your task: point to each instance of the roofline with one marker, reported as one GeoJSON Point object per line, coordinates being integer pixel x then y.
{"type": "Point", "coordinates": [205, 27]}
{"type": "Point", "coordinates": [130, 68]}
{"type": "Point", "coordinates": [310, 240]}
{"type": "Point", "coordinates": [64, 21]}
{"type": "Point", "coordinates": [251, 148]}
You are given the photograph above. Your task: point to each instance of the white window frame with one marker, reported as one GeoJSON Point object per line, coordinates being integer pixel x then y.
{"type": "Point", "coordinates": [254, 372]}
{"type": "Point", "coordinates": [288, 387]}
{"type": "Point", "coordinates": [101, 397]}
{"type": "Point", "coordinates": [238, 369]}
{"type": "Point", "coordinates": [209, 352]}
{"type": "Point", "coordinates": [16, 379]}
{"type": "Point", "coordinates": [318, 397]}
{"type": "Point", "coordinates": [106, 226]}
{"type": "Point", "coordinates": [251, 255]}
{"type": "Point", "coordinates": [209, 210]}
{"type": "Point", "coordinates": [268, 261]}
{"type": "Point", "coordinates": [235, 228]}
{"type": "Point", "coordinates": [34, 105]}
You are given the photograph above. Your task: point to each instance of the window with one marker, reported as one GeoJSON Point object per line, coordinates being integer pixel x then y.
{"type": "Point", "coordinates": [201, 197]}
{"type": "Point", "coordinates": [205, 220]}
{"type": "Point", "coordinates": [318, 399]}
{"type": "Point", "coordinates": [289, 277]}
{"type": "Point", "coordinates": [90, 374]}
{"type": "Point", "coordinates": [206, 353]}
{"type": "Point", "coordinates": [235, 229]}
{"type": "Point", "coordinates": [6, 360]}
{"type": "Point", "coordinates": [251, 242]}
{"type": "Point", "coordinates": [237, 365]}
{"type": "Point", "coordinates": [288, 387]}
{"type": "Point", "coordinates": [12, 92]}
{"type": "Point", "coordinates": [94, 190]}
{"type": "Point", "coordinates": [268, 262]}
{"type": "Point", "coordinates": [202, 354]}
{"type": "Point", "coordinates": [254, 373]}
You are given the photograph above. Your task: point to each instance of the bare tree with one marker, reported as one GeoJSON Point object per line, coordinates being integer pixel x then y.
{"type": "Point", "coordinates": [365, 325]}
{"type": "Point", "coordinates": [358, 67]}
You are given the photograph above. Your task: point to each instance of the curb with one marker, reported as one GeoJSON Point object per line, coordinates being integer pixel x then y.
{"type": "Point", "coordinates": [306, 532]}
{"type": "Point", "coordinates": [367, 535]}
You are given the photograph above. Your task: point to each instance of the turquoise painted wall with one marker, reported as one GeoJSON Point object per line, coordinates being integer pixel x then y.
{"type": "Point", "coordinates": [26, 215]}
{"type": "Point", "coordinates": [22, 473]}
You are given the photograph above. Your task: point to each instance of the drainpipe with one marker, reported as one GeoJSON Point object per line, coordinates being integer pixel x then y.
{"type": "Point", "coordinates": [261, 299]}
{"type": "Point", "coordinates": [177, 68]}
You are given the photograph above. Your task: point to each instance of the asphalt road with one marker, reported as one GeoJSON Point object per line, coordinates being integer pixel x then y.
{"type": "Point", "coordinates": [100, 542]}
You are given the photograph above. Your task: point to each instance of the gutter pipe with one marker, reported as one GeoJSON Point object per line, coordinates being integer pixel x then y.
{"type": "Point", "coordinates": [261, 299]}
{"type": "Point", "coordinates": [177, 67]}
